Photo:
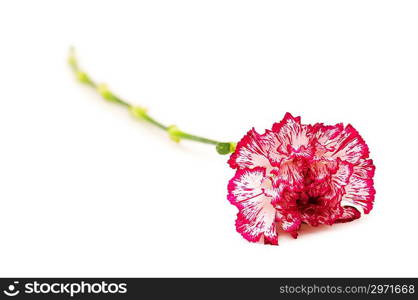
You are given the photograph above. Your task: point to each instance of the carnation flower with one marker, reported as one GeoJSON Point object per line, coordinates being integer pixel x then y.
{"type": "Point", "coordinates": [299, 174]}
{"type": "Point", "coordinates": [292, 174]}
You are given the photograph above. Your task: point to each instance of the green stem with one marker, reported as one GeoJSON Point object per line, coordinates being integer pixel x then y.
{"type": "Point", "coordinates": [147, 118]}
{"type": "Point", "coordinates": [197, 138]}
{"type": "Point", "coordinates": [141, 113]}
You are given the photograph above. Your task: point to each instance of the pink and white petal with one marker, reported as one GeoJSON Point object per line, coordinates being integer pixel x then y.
{"type": "Point", "coordinates": [364, 169]}
{"type": "Point", "coordinates": [342, 175]}
{"type": "Point", "coordinates": [326, 138]}
{"type": "Point", "coordinates": [359, 193]}
{"type": "Point", "coordinates": [294, 138]}
{"type": "Point", "coordinates": [350, 146]}
{"type": "Point", "coordinates": [326, 135]}
{"type": "Point", "coordinates": [251, 151]}
{"type": "Point", "coordinates": [349, 214]}
{"type": "Point", "coordinates": [284, 197]}
{"type": "Point", "coordinates": [289, 173]}
{"type": "Point", "coordinates": [273, 154]}
{"type": "Point", "coordinates": [256, 220]}
{"type": "Point", "coordinates": [256, 216]}
{"type": "Point", "coordinates": [320, 170]}
{"type": "Point", "coordinates": [290, 222]}
{"type": "Point", "coordinates": [332, 192]}
{"type": "Point", "coordinates": [246, 184]}
{"type": "Point", "coordinates": [317, 215]}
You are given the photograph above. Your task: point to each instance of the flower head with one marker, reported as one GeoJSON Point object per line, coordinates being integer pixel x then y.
{"type": "Point", "coordinates": [297, 173]}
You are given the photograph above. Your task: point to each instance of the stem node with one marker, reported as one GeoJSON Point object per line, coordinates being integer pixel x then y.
{"type": "Point", "coordinates": [174, 133]}
{"type": "Point", "coordinates": [138, 112]}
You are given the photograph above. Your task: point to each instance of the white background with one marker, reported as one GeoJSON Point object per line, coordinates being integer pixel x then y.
{"type": "Point", "coordinates": [86, 190]}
